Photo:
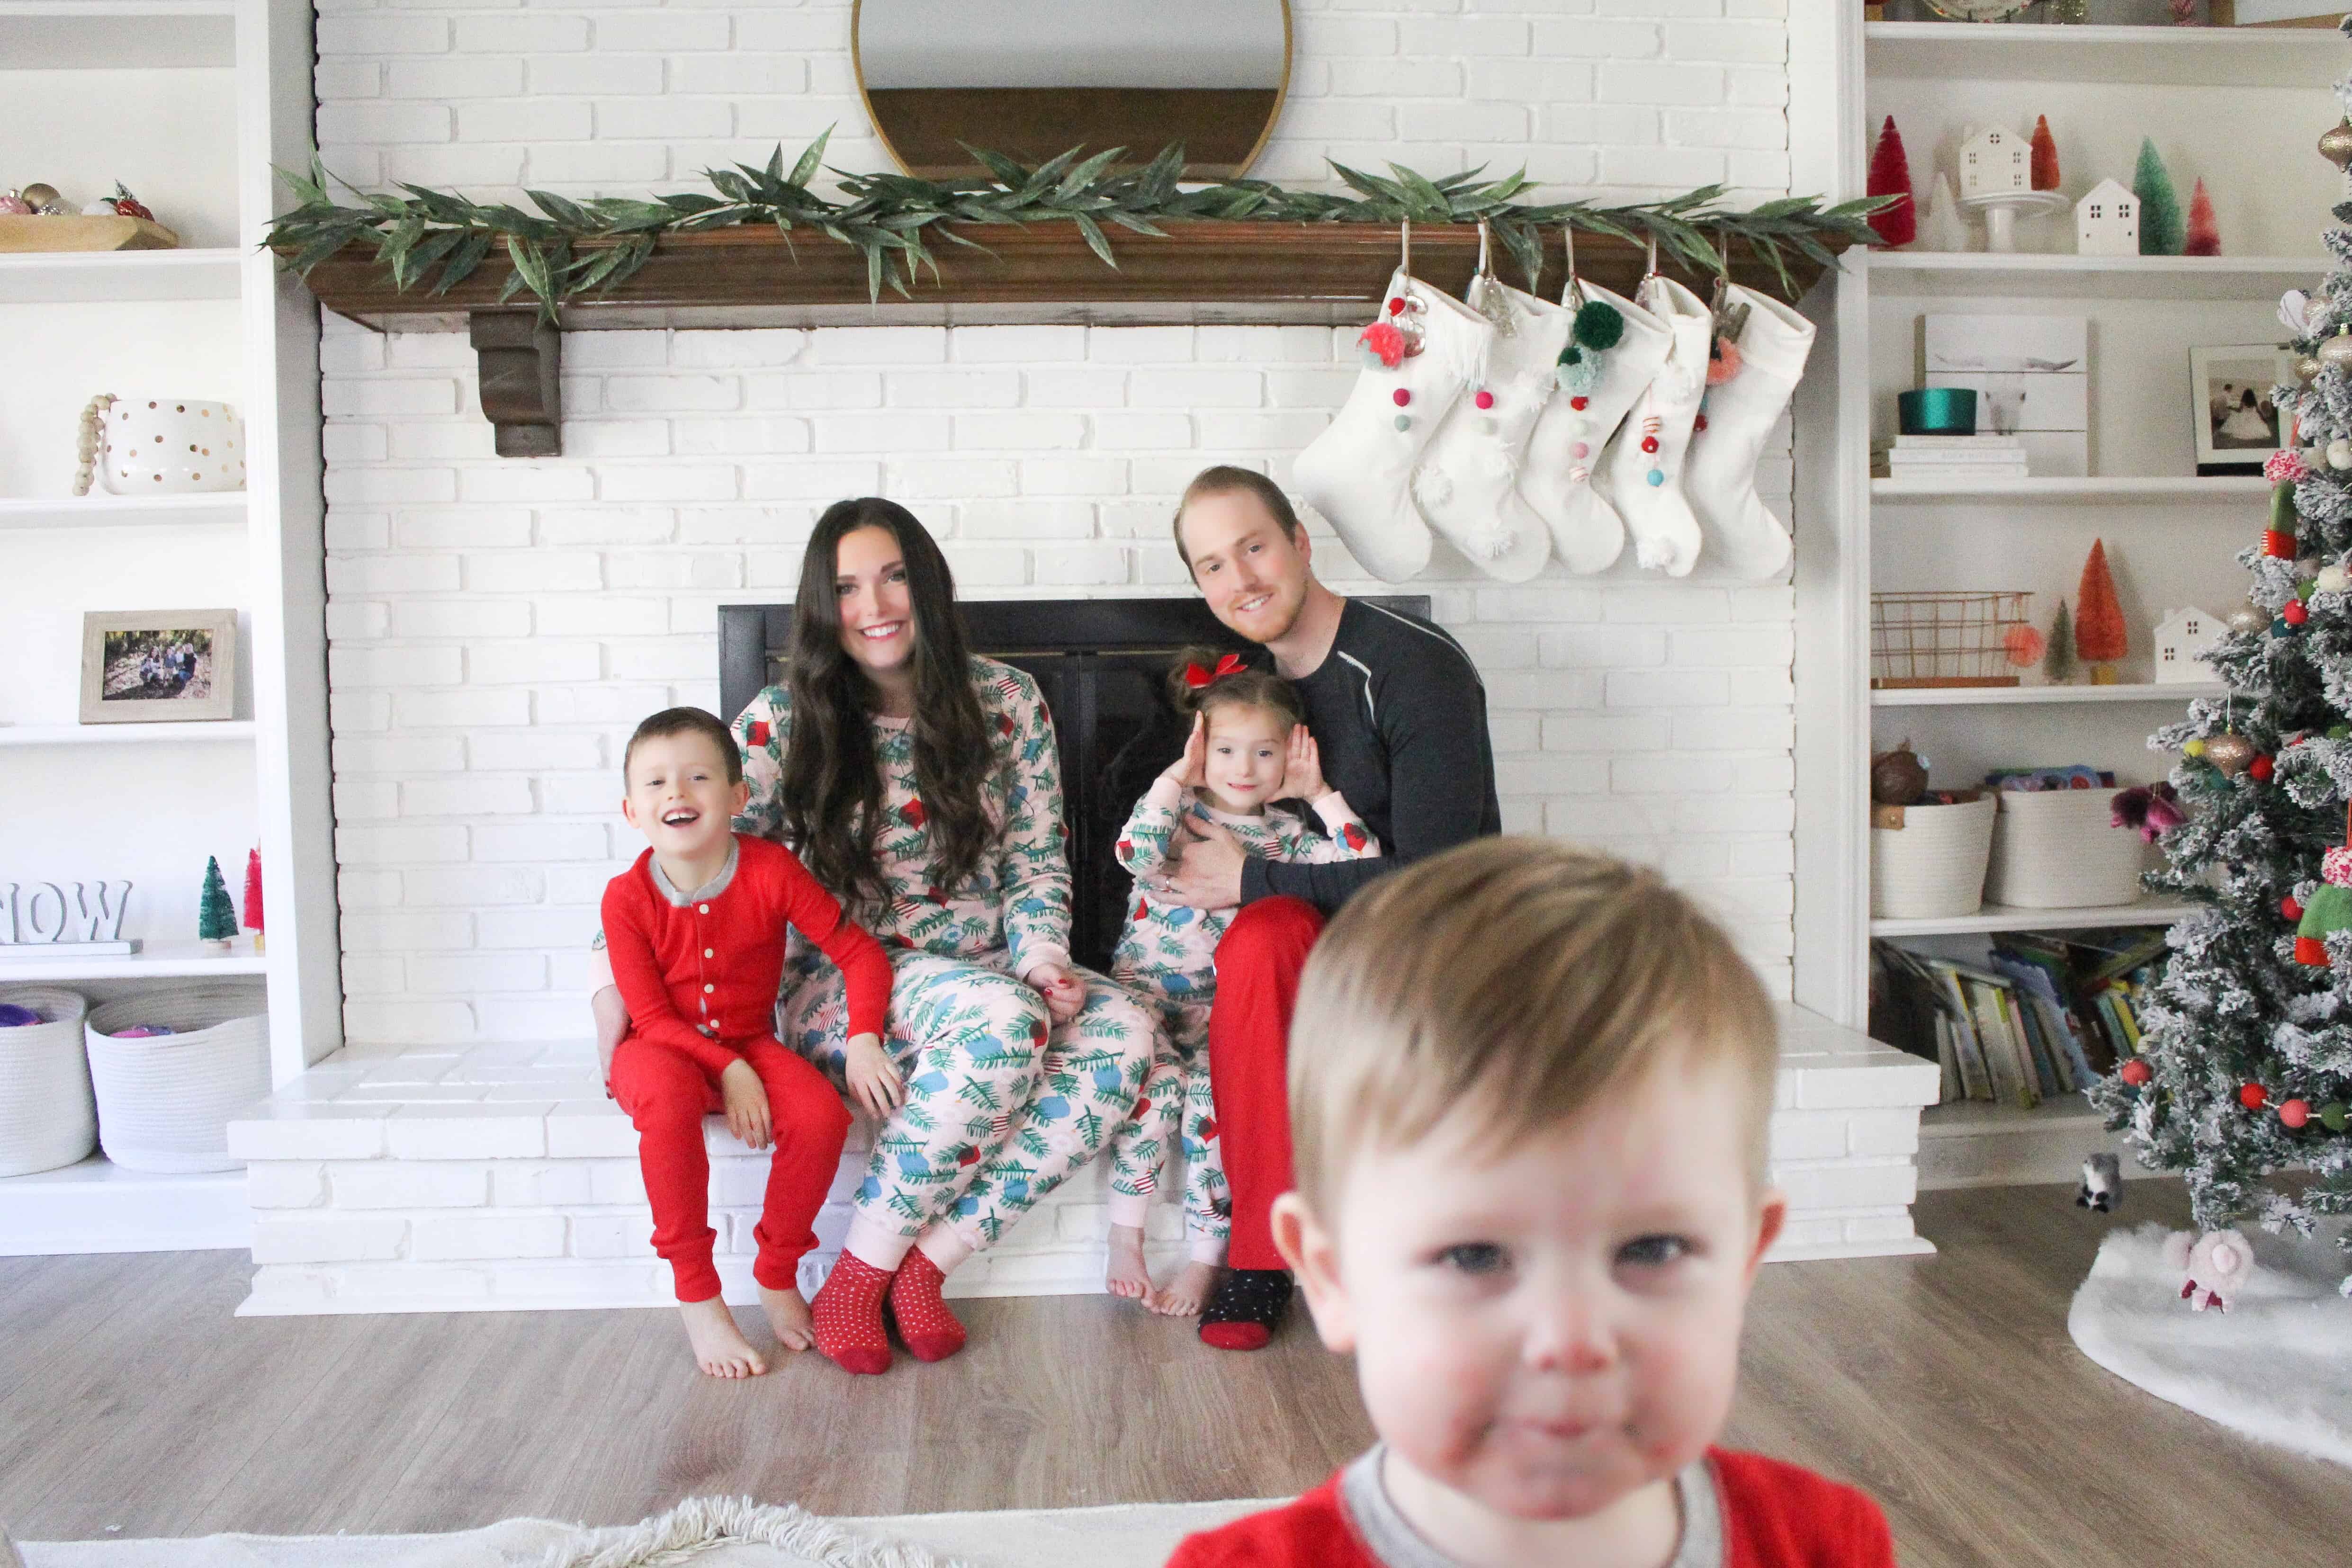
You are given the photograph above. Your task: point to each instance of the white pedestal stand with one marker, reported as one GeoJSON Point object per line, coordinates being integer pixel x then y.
{"type": "Point", "coordinates": [2001, 208]}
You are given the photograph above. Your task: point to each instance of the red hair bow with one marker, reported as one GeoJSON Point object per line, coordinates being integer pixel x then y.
{"type": "Point", "coordinates": [1197, 677]}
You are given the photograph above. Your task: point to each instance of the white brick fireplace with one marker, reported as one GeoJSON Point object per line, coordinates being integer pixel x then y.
{"type": "Point", "coordinates": [498, 625]}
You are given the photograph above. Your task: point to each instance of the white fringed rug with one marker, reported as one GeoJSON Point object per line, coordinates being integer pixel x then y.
{"type": "Point", "coordinates": [2276, 1367]}
{"type": "Point", "coordinates": [707, 1532]}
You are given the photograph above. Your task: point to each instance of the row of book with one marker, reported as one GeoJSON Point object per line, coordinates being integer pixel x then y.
{"type": "Point", "coordinates": [1943, 459]}
{"type": "Point", "coordinates": [2045, 1013]}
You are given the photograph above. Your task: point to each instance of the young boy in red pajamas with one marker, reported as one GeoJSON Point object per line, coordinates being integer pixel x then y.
{"type": "Point", "coordinates": [1529, 1091]}
{"type": "Point", "coordinates": [696, 933]}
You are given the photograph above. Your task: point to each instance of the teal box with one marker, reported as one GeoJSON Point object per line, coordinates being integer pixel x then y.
{"type": "Point", "coordinates": [1936, 410]}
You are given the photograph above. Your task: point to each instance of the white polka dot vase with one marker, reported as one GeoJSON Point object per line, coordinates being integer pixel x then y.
{"type": "Point", "coordinates": [159, 446]}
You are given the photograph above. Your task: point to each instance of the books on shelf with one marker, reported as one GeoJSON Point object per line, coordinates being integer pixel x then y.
{"type": "Point", "coordinates": [2043, 1014]}
{"type": "Point", "coordinates": [1944, 458]}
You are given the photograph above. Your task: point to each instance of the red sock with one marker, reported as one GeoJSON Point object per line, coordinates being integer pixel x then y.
{"type": "Point", "coordinates": [848, 1314]}
{"type": "Point", "coordinates": [930, 1330]}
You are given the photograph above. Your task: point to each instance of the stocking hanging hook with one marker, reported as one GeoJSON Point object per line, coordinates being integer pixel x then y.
{"type": "Point", "coordinates": [1486, 249]}
{"type": "Point", "coordinates": [1651, 271]}
{"type": "Point", "coordinates": [1573, 294]}
{"type": "Point", "coordinates": [1406, 264]}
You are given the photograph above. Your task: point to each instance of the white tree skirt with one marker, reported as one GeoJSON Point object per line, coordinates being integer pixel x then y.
{"type": "Point", "coordinates": [708, 1532]}
{"type": "Point", "coordinates": [2276, 1367]}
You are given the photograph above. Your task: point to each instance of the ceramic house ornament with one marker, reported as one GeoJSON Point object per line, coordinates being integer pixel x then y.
{"type": "Point", "coordinates": [2182, 640]}
{"type": "Point", "coordinates": [1996, 161]}
{"type": "Point", "coordinates": [2106, 221]}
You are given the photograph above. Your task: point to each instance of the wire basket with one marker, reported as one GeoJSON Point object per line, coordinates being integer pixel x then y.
{"type": "Point", "coordinates": [1947, 638]}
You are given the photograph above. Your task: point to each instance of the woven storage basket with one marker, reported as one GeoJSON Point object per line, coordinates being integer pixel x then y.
{"type": "Point", "coordinates": [165, 1104]}
{"type": "Point", "coordinates": [1934, 864]}
{"type": "Point", "coordinates": [2059, 849]}
{"type": "Point", "coordinates": [48, 1118]}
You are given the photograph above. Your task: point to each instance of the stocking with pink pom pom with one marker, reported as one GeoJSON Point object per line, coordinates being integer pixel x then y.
{"type": "Point", "coordinates": [1641, 474]}
{"type": "Point", "coordinates": [1417, 359]}
{"type": "Point", "coordinates": [1616, 347]}
{"type": "Point", "coordinates": [1759, 358]}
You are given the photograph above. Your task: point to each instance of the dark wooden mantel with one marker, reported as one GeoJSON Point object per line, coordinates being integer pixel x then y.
{"type": "Point", "coordinates": [1201, 271]}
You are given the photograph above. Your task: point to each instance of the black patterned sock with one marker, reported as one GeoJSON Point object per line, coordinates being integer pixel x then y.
{"type": "Point", "coordinates": [1246, 1309]}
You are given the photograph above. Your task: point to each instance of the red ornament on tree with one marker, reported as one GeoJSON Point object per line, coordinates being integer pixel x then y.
{"type": "Point", "coordinates": [1897, 222]}
{"type": "Point", "coordinates": [2294, 1113]}
{"type": "Point", "coordinates": [2134, 1072]}
{"type": "Point", "coordinates": [2261, 769]}
{"type": "Point", "coordinates": [2253, 1096]}
{"type": "Point", "coordinates": [2296, 613]}
{"type": "Point", "coordinates": [2290, 908]}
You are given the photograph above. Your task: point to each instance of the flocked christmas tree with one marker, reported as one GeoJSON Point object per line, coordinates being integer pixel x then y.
{"type": "Point", "coordinates": [216, 916]}
{"type": "Point", "coordinates": [2245, 1063]}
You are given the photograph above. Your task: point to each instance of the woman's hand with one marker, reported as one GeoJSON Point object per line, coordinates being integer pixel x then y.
{"type": "Point", "coordinates": [1302, 768]}
{"type": "Point", "coordinates": [1064, 993]}
{"type": "Point", "coordinates": [1190, 770]}
{"type": "Point", "coordinates": [747, 1104]}
{"type": "Point", "coordinates": [874, 1081]}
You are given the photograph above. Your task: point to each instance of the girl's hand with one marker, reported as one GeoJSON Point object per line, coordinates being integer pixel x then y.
{"type": "Point", "coordinates": [874, 1080]}
{"type": "Point", "coordinates": [1065, 994]}
{"type": "Point", "coordinates": [1302, 768]}
{"type": "Point", "coordinates": [1190, 770]}
{"type": "Point", "coordinates": [747, 1104]}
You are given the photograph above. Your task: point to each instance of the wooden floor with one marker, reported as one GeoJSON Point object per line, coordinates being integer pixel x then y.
{"type": "Point", "coordinates": [131, 1403]}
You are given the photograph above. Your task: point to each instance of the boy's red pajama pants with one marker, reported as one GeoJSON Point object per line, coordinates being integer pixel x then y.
{"type": "Point", "coordinates": [1258, 963]}
{"type": "Point", "coordinates": [667, 1095]}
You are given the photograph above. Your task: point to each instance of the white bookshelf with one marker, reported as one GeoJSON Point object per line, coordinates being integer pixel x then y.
{"type": "Point", "coordinates": [2142, 56]}
{"type": "Point", "coordinates": [2102, 490]}
{"type": "Point", "coordinates": [236, 74]}
{"type": "Point", "coordinates": [2032, 696]}
{"type": "Point", "coordinates": [2002, 917]}
{"type": "Point", "coordinates": [2067, 276]}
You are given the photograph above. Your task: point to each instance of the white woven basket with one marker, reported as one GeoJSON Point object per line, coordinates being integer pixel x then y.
{"type": "Point", "coordinates": [48, 1118]}
{"type": "Point", "coordinates": [2059, 849]}
{"type": "Point", "coordinates": [165, 1105]}
{"type": "Point", "coordinates": [1934, 864]}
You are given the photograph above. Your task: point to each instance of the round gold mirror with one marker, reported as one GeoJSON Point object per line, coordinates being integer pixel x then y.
{"type": "Point", "coordinates": [1032, 78]}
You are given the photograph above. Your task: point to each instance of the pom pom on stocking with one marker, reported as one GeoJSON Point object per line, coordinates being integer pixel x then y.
{"type": "Point", "coordinates": [1722, 360]}
{"type": "Point", "coordinates": [1599, 325]}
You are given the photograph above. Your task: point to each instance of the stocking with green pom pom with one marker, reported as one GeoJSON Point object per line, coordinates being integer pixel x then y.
{"type": "Point", "coordinates": [1753, 380]}
{"type": "Point", "coordinates": [1417, 361]}
{"type": "Point", "coordinates": [1615, 350]}
{"type": "Point", "coordinates": [1466, 484]}
{"type": "Point", "coordinates": [1641, 474]}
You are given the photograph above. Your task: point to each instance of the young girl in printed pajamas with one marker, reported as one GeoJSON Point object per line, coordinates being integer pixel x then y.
{"type": "Point", "coordinates": [920, 785]}
{"type": "Point", "coordinates": [1249, 747]}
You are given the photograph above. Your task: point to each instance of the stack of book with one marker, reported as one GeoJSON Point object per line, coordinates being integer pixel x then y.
{"type": "Point", "coordinates": [2041, 1014]}
{"type": "Point", "coordinates": [1942, 459]}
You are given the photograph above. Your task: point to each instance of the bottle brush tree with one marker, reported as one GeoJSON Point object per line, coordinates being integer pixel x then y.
{"type": "Point", "coordinates": [216, 916]}
{"type": "Point", "coordinates": [2161, 232]}
{"type": "Point", "coordinates": [1897, 222]}
{"type": "Point", "coordinates": [2100, 637]}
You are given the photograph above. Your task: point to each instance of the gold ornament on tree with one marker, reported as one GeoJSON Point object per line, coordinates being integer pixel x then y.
{"type": "Point", "coordinates": [2231, 754]}
{"type": "Point", "coordinates": [2248, 617]}
{"type": "Point", "coordinates": [2335, 145]}
{"type": "Point", "coordinates": [2305, 368]}
{"type": "Point", "coordinates": [2336, 353]}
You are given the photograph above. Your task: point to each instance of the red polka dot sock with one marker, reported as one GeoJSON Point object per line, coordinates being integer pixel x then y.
{"type": "Point", "coordinates": [1246, 1309]}
{"type": "Point", "coordinates": [848, 1314]}
{"type": "Point", "coordinates": [930, 1330]}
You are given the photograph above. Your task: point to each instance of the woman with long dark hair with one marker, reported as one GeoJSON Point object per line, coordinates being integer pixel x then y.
{"type": "Point", "coordinates": [920, 785]}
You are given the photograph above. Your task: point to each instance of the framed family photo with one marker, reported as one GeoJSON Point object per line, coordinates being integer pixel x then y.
{"type": "Point", "coordinates": [151, 666]}
{"type": "Point", "coordinates": [2236, 423]}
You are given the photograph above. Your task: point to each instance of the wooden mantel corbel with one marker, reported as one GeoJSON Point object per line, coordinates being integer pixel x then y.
{"type": "Point", "coordinates": [520, 355]}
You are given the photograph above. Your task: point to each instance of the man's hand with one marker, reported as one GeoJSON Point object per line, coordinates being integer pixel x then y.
{"type": "Point", "coordinates": [1206, 869]}
{"type": "Point", "coordinates": [873, 1077]}
{"type": "Point", "coordinates": [747, 1104]}
{"type": "Point", "coordinates": [1064, 993]}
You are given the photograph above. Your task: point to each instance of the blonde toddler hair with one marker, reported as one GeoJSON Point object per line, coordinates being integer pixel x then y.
{"type": "Point", "coordinates": [1520, 980]}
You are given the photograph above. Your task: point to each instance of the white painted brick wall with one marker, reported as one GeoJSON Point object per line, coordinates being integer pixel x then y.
{"type": "Point", "coordinates": [498, 625]}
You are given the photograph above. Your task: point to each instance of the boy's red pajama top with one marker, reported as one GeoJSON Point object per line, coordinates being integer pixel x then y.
{"type": "Point", "coordinates": [699, 971]}
{"type": "Point", "coordinates": [1765, 1514]}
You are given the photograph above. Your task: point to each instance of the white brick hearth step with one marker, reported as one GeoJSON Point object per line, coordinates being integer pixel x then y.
{"type": "Point", "coordinates": [500, 1178]}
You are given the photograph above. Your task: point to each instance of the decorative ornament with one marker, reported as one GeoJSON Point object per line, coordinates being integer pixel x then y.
{"type": "Point", "coordinates": [45, 200]}
{"type": "Point", "coordinates": [2045, 156]}
{"type": "Point", "coordinates": [2150, 810]}
{"type": "Point", "coordinates": [2194, 748]}
{"type": "Point", "coordinates": [1890, 175]}
{"type": "Point", "coordinates": [13, 205]}
{"type": "Point", "coordinates": [2336, 353]}
{"type": "Point", "coordinates": [2100, 636]}
{"type": "Point", "coordinates": [1722, 360]}
{"type": "Point", "coordinates": [2204, 236]}
{"type": "Point", "coordinates": [1384, 345]}
{"type": "Point", "coordinates": [2339, 452]}
{"type": "Point", "coordinates": [2305, 367]}
{"type": "Point", "coordinates": [2291, 908]}
{"type": "Point", "coordinates": [127, 205]}
{"type": "Point", "coordinates": [2161, 232]}
{"type": "Point", "coordinates": [2136, 1072]}
{"type": "Point", "coordinates": [2330, 908]}
{"type": "Point", "coordinates": [1600, 325]}
{"type": "Point", "coordinates": [2296, 613]}
{"type": "Point", "coordinates": [2278, 539]}
{"type": "Point", "coordinates": [2331, 580]}
{"type": "Point", "coordinates": [2023, 645]}
{"type": "Point", "coordinates": [2261, 769]}
{"type": "Point", "coordinates": [2334, 1116]}
{"type": "Point", "coordinates": [2248, 617]}
{"type": "Point", "coordinates": [2294, 1113]}
{"type": "Point", "coordinates": [2285, 467]}
{"type": "Point", "coordinates": [2229, 755]}
{"type": "Point", "coordinates": [1897, 778]}
{"type": "Point", "coordinates": [2253, 1096]}
{"type": "Point", "coordinates": [2294, 313]}
{"type": "Point", "coordinates": [216, 916]}
{"type": "Point", "coordinates": [2335, 145]}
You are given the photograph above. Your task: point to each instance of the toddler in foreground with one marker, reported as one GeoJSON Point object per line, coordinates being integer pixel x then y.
{"type": "Point", "coordinates": [1248, 748]}
{"type": "Point", "coordinates": [695, 930]}
{"type": "Point", "coordinates": [1529, 1089]}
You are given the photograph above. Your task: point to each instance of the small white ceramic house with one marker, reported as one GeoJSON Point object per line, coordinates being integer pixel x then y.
{"type": "Point", "coordinates": [2106, 222]}
{"type": "Point", "coordinates": [2181, 639]}
{"type": "Point", "coordinates": [1995, 162]}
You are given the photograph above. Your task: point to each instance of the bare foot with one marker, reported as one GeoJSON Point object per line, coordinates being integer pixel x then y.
{"type": "Point", "coordinates": [1125, 1274]}
{"type": "Point", "coordinates": [1183, 1295]}
{"type": "Point", "coordinates": [788, 1315]}
{"type": "Point", "coordinates": [720, 1348]}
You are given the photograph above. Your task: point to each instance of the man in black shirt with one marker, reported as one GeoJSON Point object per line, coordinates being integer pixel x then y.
{"type": "Point", "coordinates": [1400, 717]}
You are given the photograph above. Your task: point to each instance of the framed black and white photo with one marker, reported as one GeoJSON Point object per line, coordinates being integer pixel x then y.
{"type": "Point", "coordinates": [154, 666]}
{"type": "Point", "coordinates": [2236, 423]}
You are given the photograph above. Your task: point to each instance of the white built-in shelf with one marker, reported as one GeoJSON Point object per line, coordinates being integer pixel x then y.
{"type": "Point", "coordinates": [153, 961]}
{"type": "Point", "coordinates": [1904, 272]}
{"type": "Point", "coordinates": [99, 1206]}
{"type": "Point", "coordinates": [117, 35]}
{"type": "Point", "coordinates": [109, 277]}
{"type": "Point", "coordinates": [1989, 1118]}
{"type": "Point", "coordinates": [228, 729]}
{"type": "Point", "coordinates": [2094, 492]}
{"type": "Point", "coordinates": [2186, 56]}
{"type": "Point", "coordinates": [1998, 917]}
{"type": "Point", "coordinates": [122, 511]}
{"type": "Point", "coordinates": [1995, 696]}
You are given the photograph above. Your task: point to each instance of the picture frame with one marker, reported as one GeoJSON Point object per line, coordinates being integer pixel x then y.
{"type": "Point", "coordinates": [157, 666]}
{"type": "Point", "coordinates": [2235, 425]}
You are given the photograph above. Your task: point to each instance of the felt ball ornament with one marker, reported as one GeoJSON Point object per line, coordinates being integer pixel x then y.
{"type": "Point", "coordinates": [2253, 1096]}
{"type": "Point", "coordinates": [2294, 1113]}
{"type": "Point", "coordinates": [1896, 223]}
{"type": "Point", "coordinates": [2136, 1072]}
{"type": "Point", "coordinates": [2261, 769]}
{"type": "Point", "coordinates": [2339, 454]}
{"type": "Point", "coordinates": [2194, 748]}
{"type": "Point", "coordinates": [2296, 613]}
{"type": "Point", "coordinates": [2334, 1116]}
{"type": "Point", "coordinates": [2290, 907]}
{"type": "Point", "coordinates": [2331, 580]}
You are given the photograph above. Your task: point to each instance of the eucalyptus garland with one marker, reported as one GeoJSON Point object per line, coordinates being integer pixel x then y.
{"type": "Point", "coordinates": [432, 240]}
